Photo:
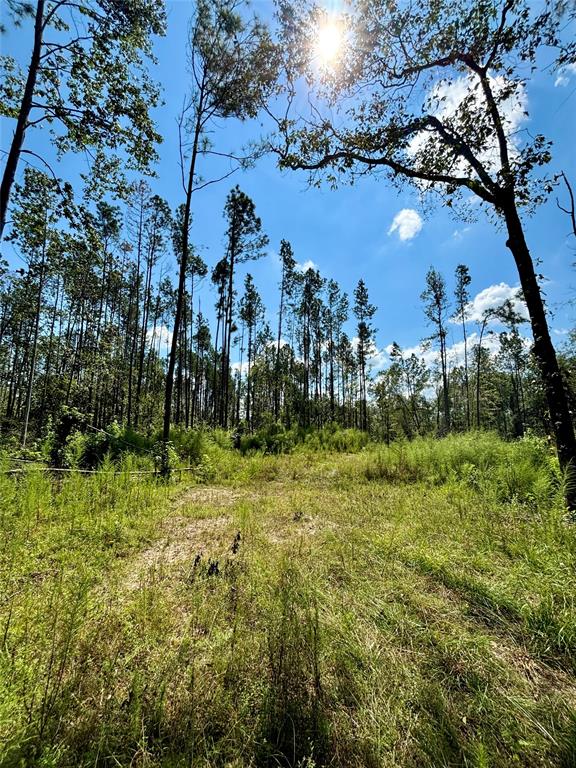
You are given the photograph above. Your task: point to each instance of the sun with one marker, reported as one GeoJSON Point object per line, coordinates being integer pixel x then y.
{"type": "Point", "coordinates": [329, 41]}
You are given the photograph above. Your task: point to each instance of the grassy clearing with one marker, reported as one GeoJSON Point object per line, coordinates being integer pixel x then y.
{"type": "Point", "coordinates": [411, 606]}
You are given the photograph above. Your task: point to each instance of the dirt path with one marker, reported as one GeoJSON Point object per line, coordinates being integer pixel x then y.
{"type": "Point", "coordinates": [203, 521]}
{"type": "Point", "coordinates": [199, 523]}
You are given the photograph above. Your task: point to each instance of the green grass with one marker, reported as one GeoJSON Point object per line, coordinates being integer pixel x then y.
{"type": "Point", "coordinates": [410, 607]}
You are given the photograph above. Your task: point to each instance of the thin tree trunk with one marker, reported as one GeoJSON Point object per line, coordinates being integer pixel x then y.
{"type": "Point", "coordinates": [48, 364]}
{"type": "Point", "coordinates": [446, 394]}
{"type": "Point", "coordinates": [466, 381]}
{"type": "Point", "coordinates": [249, 381]}
{"type": "Point", "coordinates": [34, 341]}
{"type": "Point", "coordinates": [182, 278]}
{"type": "Point", "coordinates": [240, 374]}
{"type": "Point", "coordinates": [137, 306]}
{"type": "Point", "coordinates": [227, 336]}
{"type": "Point", "coordinates": [478, 367]}
{"type": "Point", "coordinates": [143, 330]}
{"type": "Point", "coordinates": [277, 387]}
{"type": "Point", "coordinates": [331, 363]}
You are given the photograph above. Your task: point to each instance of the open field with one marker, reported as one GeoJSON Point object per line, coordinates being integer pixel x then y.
{"type": "Point", "coordinates": [402, 607]}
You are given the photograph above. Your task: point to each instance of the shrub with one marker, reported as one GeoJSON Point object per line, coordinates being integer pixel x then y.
{"type": "Point", "coordinates": [188, 443]}
{"type": "Point", "coordinates": [524, 470]}
{"type": "Point", "coordinates": [272, 438]}
{"type": "Point", "coordinates": [64, 448]}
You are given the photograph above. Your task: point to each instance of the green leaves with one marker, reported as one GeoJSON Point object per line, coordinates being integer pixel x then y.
{"type": "Point", "coordinates": [234, 61]}
{"type": "Point", "coordinates": [11, 86]}
{"type": "Point", "coordinates": [433, 92]}
{"type": "Point", "coordinates": [245, 237]}
{"type": "Point", "coordinates": [88, 80]}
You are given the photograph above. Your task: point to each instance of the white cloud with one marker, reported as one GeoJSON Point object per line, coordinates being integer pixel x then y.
{"type": "Point", "coordinates": [237, 367]}
{"type": "Point", "coordinates": [455, 352]}
{"type": "Point", "coordinates": [422, 351]}
{"type": "Point", "coordinates": [161, 334]}
{"type": "Point", "coordinates": [377, 359]}
{"type": "Point", "coordinates": [492, 298]}
{"type": "Point", "coordinates": [564, 75]}
{"type": "Point", "coordinates": [407, 223]}
{"type": "Point", "coordinates": [459, 234]}
{"type": "Point", "coordinates": [446, 98]}
{"type": "Point", "coordinates": [308, 264]}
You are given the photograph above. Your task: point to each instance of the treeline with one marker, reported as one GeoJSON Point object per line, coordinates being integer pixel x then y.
{"type": "Point", "coordinates": [492, 383]}
{"type": "Point", "coordinates": [85, 324]}
{"type": "Point", "coordinates": [93, 320]}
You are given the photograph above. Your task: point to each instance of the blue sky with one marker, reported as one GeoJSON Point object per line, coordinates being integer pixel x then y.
{"type": "Point", "coordinates": [347, 232]}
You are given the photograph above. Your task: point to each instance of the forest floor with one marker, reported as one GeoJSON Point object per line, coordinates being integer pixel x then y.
{"type": "Point", "coordinates": [300, 611]}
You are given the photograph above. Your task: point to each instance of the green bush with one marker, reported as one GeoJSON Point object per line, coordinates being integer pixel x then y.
{"type": "Point", "coordinates": [71, 442]}
{"type": "Point", "coordinates": [333, 438]}
{"type": "Point", "coordinates": [188, 443]}
{"type": "Point", "coordinates": [525, 470]}
{"type": "Point", "coordinates": [274, 438]}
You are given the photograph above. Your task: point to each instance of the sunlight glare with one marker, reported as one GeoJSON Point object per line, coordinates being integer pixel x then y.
{"type": "Point", "coordinates": [329, 42]}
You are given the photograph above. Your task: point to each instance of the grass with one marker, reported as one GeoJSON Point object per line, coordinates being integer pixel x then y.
{"type": "Point", "coordinates": [405, 607]}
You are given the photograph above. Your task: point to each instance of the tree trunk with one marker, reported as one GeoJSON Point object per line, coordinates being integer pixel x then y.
{"type": "Point", "coordinates": [466, 380]}
{"type": "Point", "coordinates": [332, 398]}
{"type": "Point", "coordinates": [48, 362]}
{"type": "Point", "coordinates": [143, 330]}
{"type": "Point", "coordinates": [34, 342]}
{"type": "Point", "coordinates": [248, 381]}
{"type": "Point", "coordinates": [478, 371]}
{"type": "Point", "coordinates": [277, 386]}
{"type": "Point", "coordinates": [23, 114]}
{"type": "Point", "coordinates": [182, 278]}
{"type": "Point", "coordinates": [544, 352]}
{"type": "Point", "coordinates": [227, 336]}
{"type": "Point", "coordinates": [135, 288]}
{"type": "Point", "coordinates": [444, 363]}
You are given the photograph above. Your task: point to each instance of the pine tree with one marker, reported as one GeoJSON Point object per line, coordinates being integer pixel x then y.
{"type": "Point", "coordinates": [233, 67]}
{"type": "Point", "coordinates": [251, 313]}
{"type": "Point", "coordinates": [364, 312]}
{"type": "Point", "coordinates": [287, 285]}
{"type": "Point", "coordinates": [436, 308]}
{"type": "Point", "coordinates": [462, 296]}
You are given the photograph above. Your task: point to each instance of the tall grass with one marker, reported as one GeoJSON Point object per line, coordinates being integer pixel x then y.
{"type": "Point", "coordinates": [410, 607]}
{"type": "Point", "coordinates": [58, 537]}
{"type": "Point", "coordinates": [525, 470]}
{"type": "Point", "coordinates": [275, 438]}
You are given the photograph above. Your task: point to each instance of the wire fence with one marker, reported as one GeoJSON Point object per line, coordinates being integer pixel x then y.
{"type": "Point", "coordinates": [34, 465]}
{"type": "Point", "coordinates": [73, 470]}
{"type": "Point", "coordinates": [38, 467]}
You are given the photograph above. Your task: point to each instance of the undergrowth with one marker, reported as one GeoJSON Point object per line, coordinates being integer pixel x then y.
{"type": "Point", "coordinates": [526, 470]}
{"type": "Point", "coordinates": [405, 607]}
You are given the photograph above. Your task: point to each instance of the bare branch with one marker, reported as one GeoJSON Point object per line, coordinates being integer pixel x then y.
{"type": "Point", "coordinates": [215, 181]}
{"type": "Point", "coordinates": [572, 210]}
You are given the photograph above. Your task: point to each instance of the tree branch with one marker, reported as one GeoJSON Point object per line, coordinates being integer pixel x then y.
{"type": "Point", "coordinates": [572, 210]}
{"type": "Point", "coordinates": [395, 166]}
